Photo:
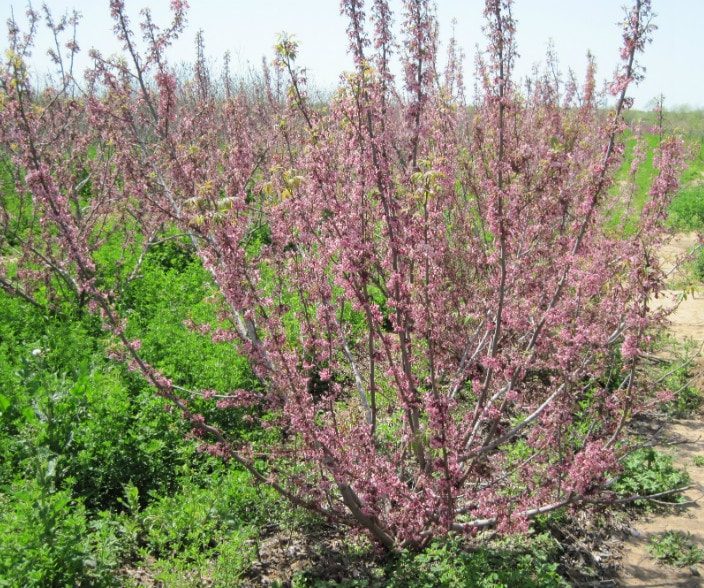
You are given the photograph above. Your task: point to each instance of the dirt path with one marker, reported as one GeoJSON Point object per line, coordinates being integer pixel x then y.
{"type": "Point", "coordinates": [639, 568]}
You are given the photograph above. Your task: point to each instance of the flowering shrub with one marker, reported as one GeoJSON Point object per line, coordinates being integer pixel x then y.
{"type": "Point", "coordinates": [426, 290]}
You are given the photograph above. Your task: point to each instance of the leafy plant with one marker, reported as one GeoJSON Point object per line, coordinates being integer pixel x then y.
{"type": "Point", "coordinates": [675, 548]}
{"type": "Point", "coordinates": [687, 398]}
{"type": "Point", "coordinates": [519, 563]}
{"type": "Point", "coordinates": [699, 263]}
{"type": "Point", "coordinates": [110, 445]}
{"type": "Point", "coordinates": [647, 471]}
{"type": "Point", "coordinates": [47, 540]}
{"type": "Point", "coordinates": [687, 209]}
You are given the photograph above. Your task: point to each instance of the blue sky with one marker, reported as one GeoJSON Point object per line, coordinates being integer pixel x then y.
{"type": "Point", "coordinates": [248, 30]}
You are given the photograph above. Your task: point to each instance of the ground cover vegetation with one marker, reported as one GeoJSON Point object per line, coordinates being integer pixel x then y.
{"type": "Point", "coordinates": [676, 548]}
{"type": "Point", "coordinates": [227, 306]}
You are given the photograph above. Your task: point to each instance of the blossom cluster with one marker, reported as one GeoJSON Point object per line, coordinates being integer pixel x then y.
{"type": "Point", "coordinates": [444, 326]}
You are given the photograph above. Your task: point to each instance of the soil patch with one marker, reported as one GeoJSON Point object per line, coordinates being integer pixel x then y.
{"type": "Point", "coordinates": [683, 439]}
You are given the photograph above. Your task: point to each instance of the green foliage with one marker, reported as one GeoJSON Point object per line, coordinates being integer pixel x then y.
{"type": "Point", "coordinates": [46, 538]}
{"type": "Point", "coordinates": [233, 558]}
{"type": "Point", "coordinates": [647, 471]}
{"type": "Point", "coordinates": [224, 566]}
{"type": "Point", "coordinates": [514, 562]}
{"type": "Point", "coordinates": [102, 425]}
{"type": "Point", "coordinates": [687, 208]}
{"type": "Point", "coordinates": [124, 483]}
{"type": "Point", "coordinates": [519, 561]}
{"type": "Point", "coordinates": [200, 517]}
{"type": "Point", "coordinates": [676, 548]}
{"type": "Point", "coordinates": [699, 461]}
{"type": "Point", "coordinates": [678, 380]}
{"type": "Point", "coordinates": [128, 438]}
{"type": "Point", "coordinates": [175, 287]}
{"type": "Point", "coordinates": [203, 531]}
{"type": "Point", "coordinates": [624, 217]}
{"type": "Point", "coordinates": [699, 261]}
{"type": "Point", "coordinates": [687, 400]}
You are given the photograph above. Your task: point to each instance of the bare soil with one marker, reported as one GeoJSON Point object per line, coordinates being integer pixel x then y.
{"type": "Point", "coordinates": [683, 439]}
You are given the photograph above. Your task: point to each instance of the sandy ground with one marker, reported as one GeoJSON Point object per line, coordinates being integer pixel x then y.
{"type": "Point", "coordinates": [638, 566]}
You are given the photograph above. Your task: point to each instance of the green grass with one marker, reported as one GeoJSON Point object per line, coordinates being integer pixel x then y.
{"type": "Point", "coordinates": [687, 209]}
{"type": "Point", "coordinates": [517, 562]}
{"type": "Point", "coordinates": [95, 474]}
{"type": "Point", "coordinates": [624, 217]}
{"type": "Point", "coordinates": [676, 376]}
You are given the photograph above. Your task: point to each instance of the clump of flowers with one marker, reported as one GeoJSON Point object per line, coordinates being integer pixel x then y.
{"type": "Point", "coordinates": [427, 290]}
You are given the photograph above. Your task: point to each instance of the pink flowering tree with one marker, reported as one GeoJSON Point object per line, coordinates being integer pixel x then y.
{"type": "Point", "coordinates": [445, 331]}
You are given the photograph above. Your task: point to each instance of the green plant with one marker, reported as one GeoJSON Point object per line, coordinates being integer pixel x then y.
{"type": "Point", "coordinates": [624, 217]}
{"type": "Point", "coordinates": [699, 461]}
{"type": "Point", "coordinates": [108, 444]}
{"type": "Point", "coordinates": [687, 400]}
{"type": "Point", "coordinates": [520, 562]}
{"type": "Point", "coordinates": [677, 378]}
{"type": "Point", "coordinates": [699, 261]}
{"type": "Point", "coordinates": [687, 208]}
{"type": "Point", "coordinates": [646, 472]}
{"type": "Point", "coordinates": [676, 548]}
{"type": "Point", "coordinates": [233, 558]}
{"type": "Point", "coordinates": [201, 517]}
{"type": "Point", "coordinates": [47, 540]}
